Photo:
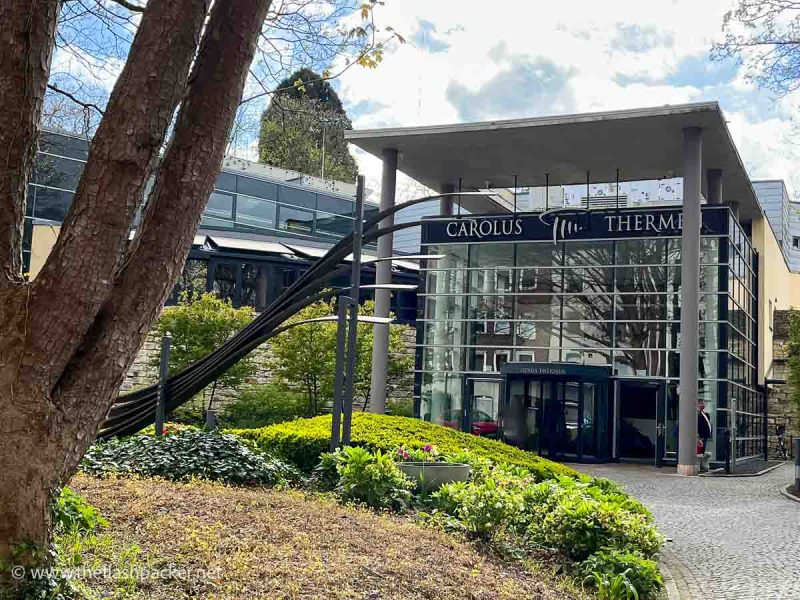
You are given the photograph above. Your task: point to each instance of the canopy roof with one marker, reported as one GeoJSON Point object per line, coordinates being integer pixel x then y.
{"type": "Point", "coordinates": [643, 144]}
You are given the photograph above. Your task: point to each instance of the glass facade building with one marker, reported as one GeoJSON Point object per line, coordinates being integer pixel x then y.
{"type": "Point", "coordinates": [560, 332]}
{"type": "Point", "coordinates": [247, 218]}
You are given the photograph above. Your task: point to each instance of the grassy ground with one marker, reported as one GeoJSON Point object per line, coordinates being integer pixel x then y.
{"type": "Point", "coordinates": [258, 544]}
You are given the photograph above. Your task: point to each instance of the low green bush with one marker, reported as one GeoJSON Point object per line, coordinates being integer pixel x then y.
{"type": "Point", "coordinates": [262, 405]}
{"type": "Point", "coordinates": [303, 441]}
{"type": "Point", "coordinates": [400, 408]}
{"type": "Point", "coordinates": [578, 519]}
{"type": "Point", "coordinates": [641, 572]}
{"type": "Point", "coordinates": [487, 508]}
{"type": "Point", "coordinates": [71, 513]}
{"type": "Point", "coordinates": [371, 478]}
{"type": "Point", "coordinates": [187, 454]}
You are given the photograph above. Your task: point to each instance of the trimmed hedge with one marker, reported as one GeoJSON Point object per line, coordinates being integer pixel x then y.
{"type": "Point", "coordinates": [304, 440]}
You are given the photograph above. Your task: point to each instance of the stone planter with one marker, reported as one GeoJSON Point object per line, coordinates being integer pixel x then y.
{"type": "Point", "coordinates": [432, 475]}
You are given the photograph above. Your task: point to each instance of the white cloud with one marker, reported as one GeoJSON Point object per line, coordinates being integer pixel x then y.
{"type": "Point", "coordinates": [595, 55]}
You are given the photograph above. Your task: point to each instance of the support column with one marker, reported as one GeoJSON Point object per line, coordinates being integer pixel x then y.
{"type": "Point", "coordinates": [714, 186]}
{"type": "Point", "coordinates": [383, 274]}
{"type": "Point", "coordinates": [690, 301]}
{"type": "Point", "coordinates": [446, 204]}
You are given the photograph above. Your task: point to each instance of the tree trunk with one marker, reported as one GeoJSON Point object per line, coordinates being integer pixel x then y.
{"type": "Point", "coordinates": [27, 34]}
{"type": "Point", "coordinates": [60, 370]}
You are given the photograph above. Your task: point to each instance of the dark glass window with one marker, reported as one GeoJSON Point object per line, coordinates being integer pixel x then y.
{"type": "Point", "coordinates": [293, 219]}
{"type": "Point", "coordinates": [337, 206]}
{"type": "Point", "coordinates": [57, 172]}
{"type": "Point", "coordinates": [255, 213]}
{"type": "Point", "coordinates": [334, 226]}
{"type": "Point", "coordinates": [219, 210]}
{"type": "Point", "coordinates": [52, 204]}
{"type": "Point", "coordinates": [257, 188]}
{"type": "Point", "coordinates": [63, 145]}
{"type": "Point", "coordinates": [226, 181]}
{"type": "Point", "coordinates": [297, 197]}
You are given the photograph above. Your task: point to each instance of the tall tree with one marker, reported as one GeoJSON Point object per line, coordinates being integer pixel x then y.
{"type": "Point", "coordinates": [303, 129]}
{"type": "Point", "coordinates": [765, 36]}
{"type": "Point", "coordinates": [68, 338]}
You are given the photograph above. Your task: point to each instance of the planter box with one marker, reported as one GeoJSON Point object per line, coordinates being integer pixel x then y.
{"type": "Point", "coordinates": [432, 475]}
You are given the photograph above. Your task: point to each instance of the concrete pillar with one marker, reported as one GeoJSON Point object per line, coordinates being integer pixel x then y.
{"type": "Point", "coordinates": [383, 274]}
{"type": "Point", "coordinates": [690, 301]}
{"type": "Point", "coordinates": [446, 204]}
{"type": "Point", "coordinates": [714, 186]}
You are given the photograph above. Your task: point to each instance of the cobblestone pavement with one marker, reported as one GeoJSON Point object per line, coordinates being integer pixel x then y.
{"type": "Point", "coordinates": [734, 538]}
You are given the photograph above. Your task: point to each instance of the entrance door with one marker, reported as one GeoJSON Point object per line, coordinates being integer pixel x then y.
{"type": "Point", "coordinates": [483, 407]}
{"type": "Point", "coordinates": [640, 422]}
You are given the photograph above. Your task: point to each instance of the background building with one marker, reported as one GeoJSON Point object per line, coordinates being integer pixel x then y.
{"type": "Point", "coordinates": [261, 229]}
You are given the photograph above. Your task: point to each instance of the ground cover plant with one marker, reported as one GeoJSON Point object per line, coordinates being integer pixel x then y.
{"type": "Point", "coordinates": [230, 543]}
{"type": "Point", "coordinates": [186, 454]}
{"type": "Point", "coordinates": [513, 501]}
{"type": "Point", "coordinates": [303, 441]}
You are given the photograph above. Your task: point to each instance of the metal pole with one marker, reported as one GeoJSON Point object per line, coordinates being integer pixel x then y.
{"type": "Point", "coordinates": [352, 339]}
{"type": "Point", "coordinates": [163, 374]}
{"type": "Point", "coordinates": [336, 420]}
{"type": "Point", "coordinates": [797, 464]}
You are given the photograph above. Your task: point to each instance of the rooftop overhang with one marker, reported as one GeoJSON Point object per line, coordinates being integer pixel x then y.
{"type": "Point", "coordinates": [642, 143]}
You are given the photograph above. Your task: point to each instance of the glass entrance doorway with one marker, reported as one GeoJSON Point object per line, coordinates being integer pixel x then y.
{"type": "Point", "coordinates": [558, 411]}
{"type": "Point", "coordinates": [647, 422]}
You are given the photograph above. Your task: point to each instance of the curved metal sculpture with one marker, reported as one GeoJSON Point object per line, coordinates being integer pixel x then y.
{"type": "Point", "coordinates": [134, 411]}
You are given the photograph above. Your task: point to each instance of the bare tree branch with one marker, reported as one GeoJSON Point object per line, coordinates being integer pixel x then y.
{"type": "Point", "coordinates": [86, 105]}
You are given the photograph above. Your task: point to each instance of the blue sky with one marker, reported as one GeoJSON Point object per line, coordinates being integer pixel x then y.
{"type": "Point", "coordinates": [468, 60]}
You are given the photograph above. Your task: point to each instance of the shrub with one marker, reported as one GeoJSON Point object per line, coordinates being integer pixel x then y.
{"type": "Point", "coordinates": [261, 405]}
{"type": "Point", "coordinates": [188, 454]}
{"type": "Point", "coordinates": [400, 408]}
{"type": "Point", "coordinates": [641, 572]}
{"type": "Point", "coordinates": [73, 514]}
{"type": "Point", "coordinates": [371, 478]}
{"type": "Point", "coordinates": [577, 521]}
{"type": "Point", "coordinates": [487, 508]}
{"type": "Point", "coordinates": [303, 441]}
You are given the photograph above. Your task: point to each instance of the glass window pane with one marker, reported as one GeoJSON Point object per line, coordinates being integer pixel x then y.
{"type": "Point", "coordinates": [641, 252]}
{"type": "Point", "coordinates": [257, 187]}
{"type": "Point", "coordinates": [226, 181]}
{"type": "Point", "coordinates": [334, 226]}
{"type": "Point", "coordinates": [293, 219]}
{"type": "Point", "coordinates": [57, 172]}
{"type": "Point", "coordinates": [588, 308]}
{"type": "Point", "coordinates": [255, 213]}
{"type": "Point", "coordinates": [63, 145]}
{"type": "Point", "coordinates": [491, 255]}
{"type": "Point", "coordinates": [297, 197]}
{"type": "Point", "coordinates": [337, 206]}
{"type": "Point", "coordinates": [52, 204]}
{"type": "Point", "coordinates": [538, 308]}
{"type": "Point", "coordinates": [588, 253]}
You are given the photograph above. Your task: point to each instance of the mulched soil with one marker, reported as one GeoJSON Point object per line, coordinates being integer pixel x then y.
{"type": "Point", "coordinates": [259, 544]}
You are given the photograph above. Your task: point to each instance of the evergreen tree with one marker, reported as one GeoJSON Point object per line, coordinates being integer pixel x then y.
{"type": "Point", "coordinates": [304, 121]}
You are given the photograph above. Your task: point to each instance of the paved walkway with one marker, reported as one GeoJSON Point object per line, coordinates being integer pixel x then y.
{"type": "Point", "coordinates": [734, 538]}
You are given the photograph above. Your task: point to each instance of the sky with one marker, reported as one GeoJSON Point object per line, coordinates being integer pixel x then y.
{"type": "Point", "coordinates": [470, 60]}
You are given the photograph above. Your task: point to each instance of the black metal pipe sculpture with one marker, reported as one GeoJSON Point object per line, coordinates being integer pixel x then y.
{"type": "Point", "coordinates": [134, 411]}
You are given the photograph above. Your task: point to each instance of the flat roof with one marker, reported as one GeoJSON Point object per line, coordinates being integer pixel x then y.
{"type": "Point", "coordinates": [643, 143]}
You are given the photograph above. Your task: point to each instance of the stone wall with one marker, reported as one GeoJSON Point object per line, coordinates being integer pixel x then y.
{"type": "Point", "coordinates": [144, 373]}
{"type": "Point", "coordinates": [780, 409]}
